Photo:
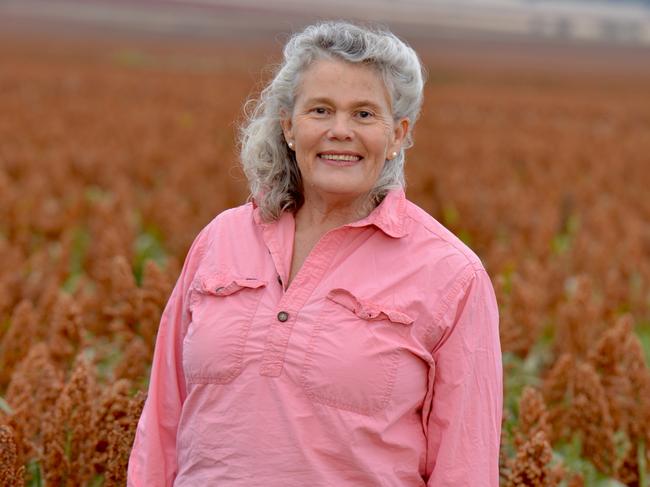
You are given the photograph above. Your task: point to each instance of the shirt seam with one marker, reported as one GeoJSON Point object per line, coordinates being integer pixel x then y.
{"type": "Point", "coordinates": [446, 300]}
{"type": "Point", "coordinates": [476, 265]}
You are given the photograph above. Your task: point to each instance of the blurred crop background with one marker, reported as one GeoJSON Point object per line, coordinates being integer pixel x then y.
{"type": "Point", "coordinates": [118, 144]}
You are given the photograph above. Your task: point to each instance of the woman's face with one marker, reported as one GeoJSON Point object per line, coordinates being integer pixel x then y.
{"type": "Point", "coordinates": [342, 129]}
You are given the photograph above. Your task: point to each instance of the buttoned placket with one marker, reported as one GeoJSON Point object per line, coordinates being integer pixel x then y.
{"type": "Point", "coordinates": [295, 295]}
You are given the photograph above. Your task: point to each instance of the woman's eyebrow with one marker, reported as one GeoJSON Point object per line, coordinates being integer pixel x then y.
{"type": "Point", "coordinates": [356, 104]}
{"type": "Point", "coordinates": [367, 103]}
{"type": "Point", "coordinates": [320, 99]}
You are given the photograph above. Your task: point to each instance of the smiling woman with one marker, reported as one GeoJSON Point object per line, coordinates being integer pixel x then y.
{"type": "Point", "coordinates": [342, 131]}
{"type": "Point", "coordinates": [329, 332]}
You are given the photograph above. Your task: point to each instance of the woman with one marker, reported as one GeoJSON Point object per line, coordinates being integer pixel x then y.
{"type": "Point", "coordinates": [330, 332]}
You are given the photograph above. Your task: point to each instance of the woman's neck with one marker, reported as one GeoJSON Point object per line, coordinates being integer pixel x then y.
{"type": "Point", "coordinates": [317, 217]}
{"type": "Point", "coordinates": [322, 214]}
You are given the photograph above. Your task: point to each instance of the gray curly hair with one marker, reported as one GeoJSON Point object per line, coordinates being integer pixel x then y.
{"type": "Point", "coordinates": [270, 166]}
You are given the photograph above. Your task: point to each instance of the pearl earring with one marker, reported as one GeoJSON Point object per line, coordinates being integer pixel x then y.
{"type": "Point", "coordinates": [393, 155]}
{"type": "Point", "coordinates": [290, 144]}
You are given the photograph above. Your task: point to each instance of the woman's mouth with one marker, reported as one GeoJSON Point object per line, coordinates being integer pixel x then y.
{"type": "Point", "coordinates": [339, 159]}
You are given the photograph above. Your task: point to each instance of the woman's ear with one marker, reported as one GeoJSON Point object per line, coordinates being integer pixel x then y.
{"type": "Point", "coordinates": [287, 125]}
{"type": "Point", "coordinates": [399, 135]}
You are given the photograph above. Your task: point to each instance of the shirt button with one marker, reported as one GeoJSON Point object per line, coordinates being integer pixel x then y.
{"type": "Point", "coordinates": [283, 316]}
{"type": "Point", "coordinates": [218, 290]}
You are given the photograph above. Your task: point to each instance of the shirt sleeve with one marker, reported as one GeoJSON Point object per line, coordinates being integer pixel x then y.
{"type": "Point", "coordinates": [152, 462]}
{"type": "Point", "coordinates": [464, 422]}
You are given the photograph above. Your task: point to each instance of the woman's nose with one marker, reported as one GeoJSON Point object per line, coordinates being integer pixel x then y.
{"type": "Point", "coordinates": [341, 127]}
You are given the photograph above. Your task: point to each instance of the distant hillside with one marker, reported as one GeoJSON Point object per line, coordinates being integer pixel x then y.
{"type": "Point", "coordinates": [613, 2]}
{"type": "Point", "coordinates": [620, 22]}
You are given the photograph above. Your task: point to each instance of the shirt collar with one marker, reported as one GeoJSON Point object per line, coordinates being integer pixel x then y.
{"type": "Point", "coordinates": [389, 216]}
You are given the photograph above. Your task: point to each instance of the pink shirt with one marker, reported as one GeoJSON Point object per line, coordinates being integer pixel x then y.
{"type": "Point", "coordinates": [380, 365]}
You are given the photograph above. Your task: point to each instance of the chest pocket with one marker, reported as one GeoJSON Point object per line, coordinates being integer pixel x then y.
{"type": "Point", "coordinates": [354, 353]}
{"type": "Point", "coordinates": [222, 308]}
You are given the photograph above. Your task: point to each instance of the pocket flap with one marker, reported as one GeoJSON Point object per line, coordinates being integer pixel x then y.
{"type": "Point", "coordinates": [224, 285]}
{"type": "Point", "coordinates": [367, 310]}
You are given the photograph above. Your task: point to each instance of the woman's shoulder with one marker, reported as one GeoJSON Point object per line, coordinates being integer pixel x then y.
{"type": "Point", "coordinates": [442, 243]}
{"type": "Point", "coordinates": [228, 220]}
{"type": "Point", "coordinates": [231, 221]}
{"type": "Point", "coordinates": [234, 215]}
{"type": "Point", "coordinates": [215, 242]}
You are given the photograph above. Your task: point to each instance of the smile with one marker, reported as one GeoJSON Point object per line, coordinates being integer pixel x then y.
{"type": "Point", "coordinates": [340, 157]}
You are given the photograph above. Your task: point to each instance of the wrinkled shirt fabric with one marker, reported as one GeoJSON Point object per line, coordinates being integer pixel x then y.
{"type": "Point", "coordinates": [379, 365]}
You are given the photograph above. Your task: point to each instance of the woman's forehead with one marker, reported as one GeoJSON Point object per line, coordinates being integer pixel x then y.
{"type": "Point", "coordinates": [342, 82]}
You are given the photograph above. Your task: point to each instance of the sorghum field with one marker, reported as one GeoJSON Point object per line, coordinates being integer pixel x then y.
{"type": "Point", "coordinates": [114, 154]}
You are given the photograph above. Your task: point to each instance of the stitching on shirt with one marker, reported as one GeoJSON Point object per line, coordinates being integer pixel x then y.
{"type": "Point", "coordinates": [390, 371]}
{"type": "Point", "coordinates": [273, 359]}
{"type": "Point", "coordinates": [197, 252]}
{"type": "Point", "coordinates": [471, 258]}
{"type": "Point", "coordinates": [447, 299]}
{"type": "Point", "coordinates": [381, 403]}
{"type": "Point", "coordinates": [236, 368]}
{"type": "Point", "coordinates": [368, 310]}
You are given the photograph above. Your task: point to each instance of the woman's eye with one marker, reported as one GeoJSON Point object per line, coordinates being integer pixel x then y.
{"type": "Point", "coordinates": [364, 114]}
{"type": "Point", "coordinates": [319, 110]}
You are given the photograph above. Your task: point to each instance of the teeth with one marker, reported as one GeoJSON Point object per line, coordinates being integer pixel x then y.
{"type": "Point", "coordinates": [340, 157]}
